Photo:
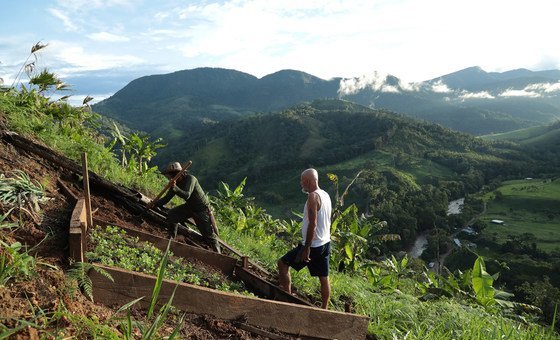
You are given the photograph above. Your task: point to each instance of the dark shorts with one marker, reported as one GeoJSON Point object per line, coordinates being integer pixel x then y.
{"type": "Point", "coordinates": [319, 263]}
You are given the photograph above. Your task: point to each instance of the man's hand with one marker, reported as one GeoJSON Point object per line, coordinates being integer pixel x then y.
{"type": "Point", "coordinates": [303, 254]}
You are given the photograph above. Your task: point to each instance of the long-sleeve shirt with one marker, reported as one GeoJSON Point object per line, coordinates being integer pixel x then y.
{"type": "Point", "coordinates": [190, 190]}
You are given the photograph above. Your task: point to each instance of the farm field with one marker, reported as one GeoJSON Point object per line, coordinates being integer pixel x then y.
{"type": "Point", "coordinates": [526, 206]}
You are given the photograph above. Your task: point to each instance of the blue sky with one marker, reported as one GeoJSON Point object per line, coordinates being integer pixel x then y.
{"type": "Point", "coordinates": [98, 46]}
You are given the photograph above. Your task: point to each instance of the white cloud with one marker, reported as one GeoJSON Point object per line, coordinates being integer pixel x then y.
{"type": "Point", "coordinates": [84, 5]}
{"type": "Point", "coordinates": [475, 95]}
{"type": "Point", "coordinates": [80, 60]}
{"type": "Point", "coordinates": [68, 24]}
{"type": "Point", "coordinates": [411, 87]}
{"type": "Point", "coordinates": [160, 16]}
{"type": "Point", "coordinates": [440, 87]}
{"type": "Point", "coordinates": [327, 38]}
{"type": "Point", "coordinates": [519, 93]}
{"type": "Point", "coordinates": [544, 87]}
{"type": "Point", "coordinates": [376, 81]}
{"type": "Point", "coordinates": [107, 37]}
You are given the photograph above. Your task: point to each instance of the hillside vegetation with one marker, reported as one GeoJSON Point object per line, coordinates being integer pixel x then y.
{"type": "Point", "coordinates": [409, 170]}
{"type": "Point", "coordinates": [402, 299]}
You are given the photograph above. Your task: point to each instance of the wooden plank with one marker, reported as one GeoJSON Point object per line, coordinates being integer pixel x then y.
{"type": "Point", "coordinates": [78, 214]}
{"type": "Point", "coordinates": [87, 196]}
{"type": "Point", "coordinates": [77, 234]}
{"type": "Point", "coordinates": [66, 191]}
{"type": "Point", "coordinates": [285, 317]}
{"type": "Point", "coordinates": [75, 249]}
{"type": "Point", "coordinates": [267, 289]}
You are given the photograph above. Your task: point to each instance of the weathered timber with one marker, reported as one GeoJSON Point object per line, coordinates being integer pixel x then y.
{"type": "Point", "coordinates": [87, 196]}
{"type": "Point", "coordinates": [285, 317]}
{"type": "Point", "coordinates": [77, 232]}
{"type": "Point", "coordinates": [63, 161]}
{"type": "Point", "coordinates": [267, 289]}
{"type": "Point", "coordinates": [66, 191]}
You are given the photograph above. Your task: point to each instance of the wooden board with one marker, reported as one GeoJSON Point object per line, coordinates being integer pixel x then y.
{"type": "Point", "coordinates": [285, 317]}
{"type": "Point", "coordinates": [77, 232]}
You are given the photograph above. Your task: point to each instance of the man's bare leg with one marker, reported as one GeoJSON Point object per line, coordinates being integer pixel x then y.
{"type": "Point", "coordinates": [284, 278]}
{"type": "Point", "coordinates": [325, 291]}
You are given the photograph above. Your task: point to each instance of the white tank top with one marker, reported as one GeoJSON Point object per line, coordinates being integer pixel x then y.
{"type": "Point", "coordinates": [323, 230]}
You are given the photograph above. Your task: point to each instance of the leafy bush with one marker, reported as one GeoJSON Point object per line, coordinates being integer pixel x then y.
{"type": "Point", "coordinates": [15, 262]}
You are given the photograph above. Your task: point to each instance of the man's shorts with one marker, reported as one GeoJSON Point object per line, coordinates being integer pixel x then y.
{"type": "Point", "coordinates": [319, 259]}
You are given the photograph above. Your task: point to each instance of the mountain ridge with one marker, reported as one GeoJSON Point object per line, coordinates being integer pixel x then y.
{"type": "Point", "coordinates": [194, 98]}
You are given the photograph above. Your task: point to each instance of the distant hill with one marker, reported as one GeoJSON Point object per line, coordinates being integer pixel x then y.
{"type": "Point", "coordinates": [541, 142]}
{"type": "Point", "coordinates": [341, 137]}
{"type": "Point", "coordinates": [470, 100]}
{"type": "Point", "coordinates": [528, 136]}
{"type": "Point", "coordinates": [476, 79]}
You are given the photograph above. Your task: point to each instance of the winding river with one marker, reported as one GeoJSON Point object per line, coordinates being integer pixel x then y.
{"type": "Point", "coordinates": [453, 208]}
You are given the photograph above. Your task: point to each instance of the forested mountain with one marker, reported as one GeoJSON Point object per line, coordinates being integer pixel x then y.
{"type": "Point", "coordinates": [471, 100]}
{"type": "Point", "coordinates": [411, 168]}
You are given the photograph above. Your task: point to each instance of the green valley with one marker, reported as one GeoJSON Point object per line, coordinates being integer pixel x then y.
{"type": "Point", "coordinates": [525, 206]}
{"type": "Point", "coordinates": [401, 174]}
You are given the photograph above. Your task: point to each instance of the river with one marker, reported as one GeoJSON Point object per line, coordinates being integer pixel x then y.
{"type": "Point", "coordinates": [453, 208]}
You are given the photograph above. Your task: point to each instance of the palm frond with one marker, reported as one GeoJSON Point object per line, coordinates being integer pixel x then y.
{"type": "Point", "coordinates": [38, 46]}
{"type": "Point", "coordinates": [87, 99]}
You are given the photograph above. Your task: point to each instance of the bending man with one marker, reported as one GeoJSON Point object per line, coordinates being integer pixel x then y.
{"type": "Point", "coordinates": [315, 251]}
{"type": "Point", "coordinates": [196, 205]}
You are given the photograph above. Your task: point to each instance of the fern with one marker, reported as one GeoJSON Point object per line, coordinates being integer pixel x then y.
{"type": "Point", "coordinates": [79, 273]}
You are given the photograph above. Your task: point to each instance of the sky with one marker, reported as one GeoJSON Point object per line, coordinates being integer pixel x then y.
{"type": "Point", "coordinates": [98, 46]}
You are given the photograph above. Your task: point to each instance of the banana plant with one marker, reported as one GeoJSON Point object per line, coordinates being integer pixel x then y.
{"type": "Point", "coordinates": [349, 232]}
{"type": "Point", "coordinates": [143, 149]}
{"type": "Point", "coordinates": [122, 140]}
{"type": "Point", "coordinates": [483, 283]}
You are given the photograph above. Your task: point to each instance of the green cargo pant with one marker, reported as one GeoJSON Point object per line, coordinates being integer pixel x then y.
{"type": "Point", "coordinates": [202, 219]}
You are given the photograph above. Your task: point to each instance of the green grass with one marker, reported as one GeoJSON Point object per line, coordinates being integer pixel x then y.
{"type": "Point", "coordinates": [398, 314]}
{"type": "Point", "coordinates": [536, 135]}
{"type": "Point", "coordinates": [526, 206]}
{"type": "Point", "coordinates": [72, 142]}
{"type": "Point", "coordinates": [516, 135]}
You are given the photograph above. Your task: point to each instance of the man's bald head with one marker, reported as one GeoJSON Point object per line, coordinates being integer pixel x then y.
{"type": "Point", "coordinates": [311, 174]}
{"type": "Point", "coordinates": [309, 180]}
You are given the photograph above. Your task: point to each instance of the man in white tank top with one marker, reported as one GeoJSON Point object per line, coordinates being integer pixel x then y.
{"type": "Point", "coordinates": [314, 252]}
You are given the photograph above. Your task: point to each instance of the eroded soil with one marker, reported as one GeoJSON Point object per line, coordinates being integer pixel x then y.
{"type": "Point", "coordinates": [42, 298]}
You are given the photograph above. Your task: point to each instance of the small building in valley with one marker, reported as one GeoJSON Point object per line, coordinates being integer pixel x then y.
{"type": "Point", "coordinates": [497, 221]}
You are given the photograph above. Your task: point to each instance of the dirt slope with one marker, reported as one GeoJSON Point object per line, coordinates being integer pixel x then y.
{"type": "Point", "coordinates": [46, 233]}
